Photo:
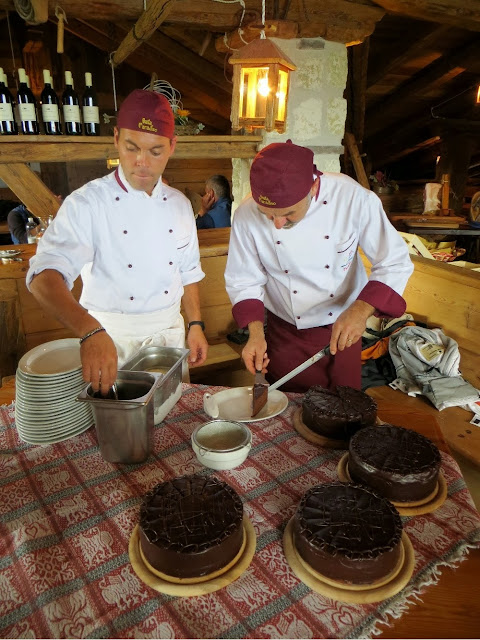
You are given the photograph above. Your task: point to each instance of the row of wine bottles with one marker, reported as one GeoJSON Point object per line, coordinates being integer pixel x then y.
{"type": "Point", "coordinates": [50, 108]}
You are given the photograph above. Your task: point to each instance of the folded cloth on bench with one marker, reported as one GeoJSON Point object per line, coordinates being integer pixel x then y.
{"type": "Point", "coordinates": [427, 363]}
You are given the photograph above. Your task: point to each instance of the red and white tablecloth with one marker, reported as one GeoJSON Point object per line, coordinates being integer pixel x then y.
{"type": "Point", "coordinates": [66, 517]}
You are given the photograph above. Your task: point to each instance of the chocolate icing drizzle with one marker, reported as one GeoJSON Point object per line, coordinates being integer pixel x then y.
{"type": "Point", "coordinates": [348, 519]}
{"type": "Point", "coordinates": [395, 449]}
{"type": "Point", "coordinates": [190, 514]}
{"type": "Point", "coordinates": [338, 413]}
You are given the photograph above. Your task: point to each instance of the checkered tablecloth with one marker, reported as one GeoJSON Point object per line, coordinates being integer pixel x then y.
{"type": "Point", "coordinates": [66, 517]}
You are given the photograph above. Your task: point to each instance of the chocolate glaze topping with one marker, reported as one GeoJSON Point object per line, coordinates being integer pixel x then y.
{"type": "Point", "coordinates": [339, 413]}
{"type": "Point", "coordinates": [399, 463]}
{"type": "Point", "coordinates": [191, 526]}
{"type": "Point", "coordinates": [348, 532]}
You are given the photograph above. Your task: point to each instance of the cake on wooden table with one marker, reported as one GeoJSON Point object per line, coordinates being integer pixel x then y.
{"type": "Point", "coordinates": [191, 527]}
{"type": "Point", "coordinates": [348, 533]}
{"type": "Point", "coordinates": [398, 463]}
{"type": "Point", "coordinates": [337, 414]}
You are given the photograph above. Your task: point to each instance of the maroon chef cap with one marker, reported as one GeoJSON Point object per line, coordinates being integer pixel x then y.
{"type": "Point", "coordinates": [281, 175]}
{"type": "Point", "coordinates": [147, 111]}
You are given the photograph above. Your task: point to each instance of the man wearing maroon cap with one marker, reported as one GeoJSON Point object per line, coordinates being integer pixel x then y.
{"type": "Point", "coordinates": [293, 251]}
{"type": "Point", "coordinates": [133, 239]}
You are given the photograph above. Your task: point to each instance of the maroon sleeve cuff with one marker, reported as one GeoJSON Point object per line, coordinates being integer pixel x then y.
{"type": "Point", "coordinates": [386, 301]}
{"type": "Point", "coordinates": [248, 311]}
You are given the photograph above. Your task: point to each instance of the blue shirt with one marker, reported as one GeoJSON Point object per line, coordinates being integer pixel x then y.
{"type": "Point", "coordinates": [218, 216]}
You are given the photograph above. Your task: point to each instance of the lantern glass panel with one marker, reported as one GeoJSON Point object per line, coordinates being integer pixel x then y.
{"type": "Point", "coordinates": [254, 90]}
{"type": "Point", "coordinates": [282, 94]}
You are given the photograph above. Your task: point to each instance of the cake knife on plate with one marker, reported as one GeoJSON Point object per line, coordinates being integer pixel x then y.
{"type": "Point", "coordinates": [261, 388]}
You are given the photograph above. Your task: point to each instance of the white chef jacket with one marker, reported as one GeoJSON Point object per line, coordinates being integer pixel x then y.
{"type": "Point", "coordinates": [135, 252]}
{"type": "Point", "coordinates": [309, 274]}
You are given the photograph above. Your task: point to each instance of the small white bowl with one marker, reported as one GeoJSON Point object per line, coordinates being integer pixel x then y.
{"type": "Point", "coordinates": [222, 444]}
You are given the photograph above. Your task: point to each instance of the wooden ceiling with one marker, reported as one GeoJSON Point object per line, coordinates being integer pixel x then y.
{"type": "Point", "coordinates": [413, 71]}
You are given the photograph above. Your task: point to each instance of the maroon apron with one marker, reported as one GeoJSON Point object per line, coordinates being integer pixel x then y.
{"type": "Point", "coordinates": [287, 347]}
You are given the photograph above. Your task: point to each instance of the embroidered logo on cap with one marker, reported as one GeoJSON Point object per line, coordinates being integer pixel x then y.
{"type": "Point", "coordinates": [266, 200]}
{"type": "Point", "coordinates": [147, 125]}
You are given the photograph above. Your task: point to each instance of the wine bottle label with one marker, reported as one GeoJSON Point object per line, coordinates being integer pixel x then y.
{"type": "Point", "coordinates": [50, 113]}
{"type": "Point", "coordinates": [71, 112]}
{"type": "Point", "coordinates": [91, 115]}
{"type": "Point", "coordinates": [27, 111]}
{"type": "Point", "coordinates": [6, 111]}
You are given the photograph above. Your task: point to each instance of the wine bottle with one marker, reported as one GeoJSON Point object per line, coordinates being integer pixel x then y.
{"type": "Point", "coordinates": [91, 118]}
{"type": "Point", "coordinates": [50, 107]}
{"type": "Point", "coordinates": [71, 108]}
{"type": "Point", "coordinates": [26, 106]}
{"type": "Point", "coordinates": [8, 126]}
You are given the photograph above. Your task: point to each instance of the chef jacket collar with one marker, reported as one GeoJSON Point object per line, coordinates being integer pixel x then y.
{"type": "Point", "coordinates": [126, 186]}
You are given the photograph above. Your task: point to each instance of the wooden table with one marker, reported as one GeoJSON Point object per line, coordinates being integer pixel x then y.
{"type": "Point", "coordinates": [280, 464]}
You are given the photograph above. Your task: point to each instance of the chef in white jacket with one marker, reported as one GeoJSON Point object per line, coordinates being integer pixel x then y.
{"type": "Point", "coordinates": [133, 239]}
{"type": "Point", "coordinates": [293, 259]}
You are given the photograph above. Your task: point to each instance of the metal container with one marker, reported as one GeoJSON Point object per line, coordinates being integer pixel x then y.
{"type": "Point", "coordinates": [124, 425]}
{"type": "Point", "coordinates": [168, 362]}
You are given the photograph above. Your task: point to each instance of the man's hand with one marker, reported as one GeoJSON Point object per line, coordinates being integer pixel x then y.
{"type": "Point", "coordinates": [350, 325]}
{"type": "Point", "coordinates": [99, 361]}
{"type": "Point", "coordinates": [254, 353]}
{"type": "Point", "coordinates": [208, 200]}
{"type": "Point", "coordinates": [198, 345]}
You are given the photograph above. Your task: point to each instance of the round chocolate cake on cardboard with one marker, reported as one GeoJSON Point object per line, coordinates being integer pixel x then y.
{"type": "Point", "coordinates": [191, 526]}
{"type": "Point", "coordinates": [348, 533]}
{"type": "Point", "coordinates": [337, 414]}
{"type": "Point", "coordinates": [398, 463]}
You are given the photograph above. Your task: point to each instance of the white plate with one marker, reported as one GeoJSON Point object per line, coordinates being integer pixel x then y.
{"type": "Point", "coordinates": [236, 404]}
{"type": "Point", "coordinates": [55, 357]}
{"type": "Point", "coordinates": [9, 253]}
{"type": "Point", "coordinates": [60, 438]}
{"type": "Point", "coordinates": [64, 418]}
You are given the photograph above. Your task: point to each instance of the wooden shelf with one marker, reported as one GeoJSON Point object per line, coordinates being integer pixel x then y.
{"type": "Point", "coordinates": [44, 148]}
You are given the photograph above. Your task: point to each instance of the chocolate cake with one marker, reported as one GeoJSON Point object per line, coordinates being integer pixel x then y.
{"type": "Point", "coordinates": [337, 414]}
{"type": "Point", "coordinates": [398, 463]}
{"type": "Point", "coordinates": [348, 533]}
{"type": "Point", "coordinates": [191, 526]}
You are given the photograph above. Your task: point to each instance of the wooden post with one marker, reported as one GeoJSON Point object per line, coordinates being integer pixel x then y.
{"type": "Point", "coordinates": [445, 193]}
{"type": "Point", "coordinates": [156, 12]}
{"type": "Point", "coordinates": [351, 145]}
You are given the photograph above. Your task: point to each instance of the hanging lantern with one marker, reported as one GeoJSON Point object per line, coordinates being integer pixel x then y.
{"type": "Point", "coordinates": [260, 86]}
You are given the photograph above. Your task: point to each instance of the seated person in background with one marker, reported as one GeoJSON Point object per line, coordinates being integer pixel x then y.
{"type": "Point", "coordinates": [17, 223]}
{"type": "Point", "coordinates": [216, 204]}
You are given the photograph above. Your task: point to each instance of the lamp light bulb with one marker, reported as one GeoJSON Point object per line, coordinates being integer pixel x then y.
{"type": "Point", "coordinates": [262, 87]}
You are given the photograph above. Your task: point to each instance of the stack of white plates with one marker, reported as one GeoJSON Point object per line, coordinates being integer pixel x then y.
{"type": "Point", "coordinates": [48, 380]}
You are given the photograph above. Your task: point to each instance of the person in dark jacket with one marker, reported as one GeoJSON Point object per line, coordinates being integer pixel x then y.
{"type": "Point", "coordinates": [17, 223]}
{"type": "Point", "coordinates": [216, 209]}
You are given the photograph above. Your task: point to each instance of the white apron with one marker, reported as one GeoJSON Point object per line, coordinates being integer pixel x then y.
{"type": "Point", "coordinates": [132, 331]}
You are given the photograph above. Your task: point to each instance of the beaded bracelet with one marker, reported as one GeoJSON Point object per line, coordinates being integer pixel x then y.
{"type": "Point", "coordinates": [91, 333]}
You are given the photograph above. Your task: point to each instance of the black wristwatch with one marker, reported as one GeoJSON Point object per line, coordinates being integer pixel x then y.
{"type": "Point", "coordinates": [199, 322]}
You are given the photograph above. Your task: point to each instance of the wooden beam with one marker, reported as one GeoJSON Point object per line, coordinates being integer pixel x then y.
{"type": "Point", "coordinates": [156, 12]}
{"type": "Point", "coordinates": [64, 148]}
{"type": "Point", "coordinates": [386, 108]}
{"type": "Point", "coordinates": [204, 14]}
{"type": "Point", "coordinates": [378, 69]}
{"type": "Point", "coordinates": [464, 14]}
{"type": "Point", "coordinates": [273, 29]}
{"type": "Point", "coordinates": [29, 188]}
{"type": "Point", "coordinates": [192, 75]}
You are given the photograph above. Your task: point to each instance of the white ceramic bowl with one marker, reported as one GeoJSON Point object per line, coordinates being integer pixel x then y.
{"type": "Point", "coordinates": [222, 444]}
